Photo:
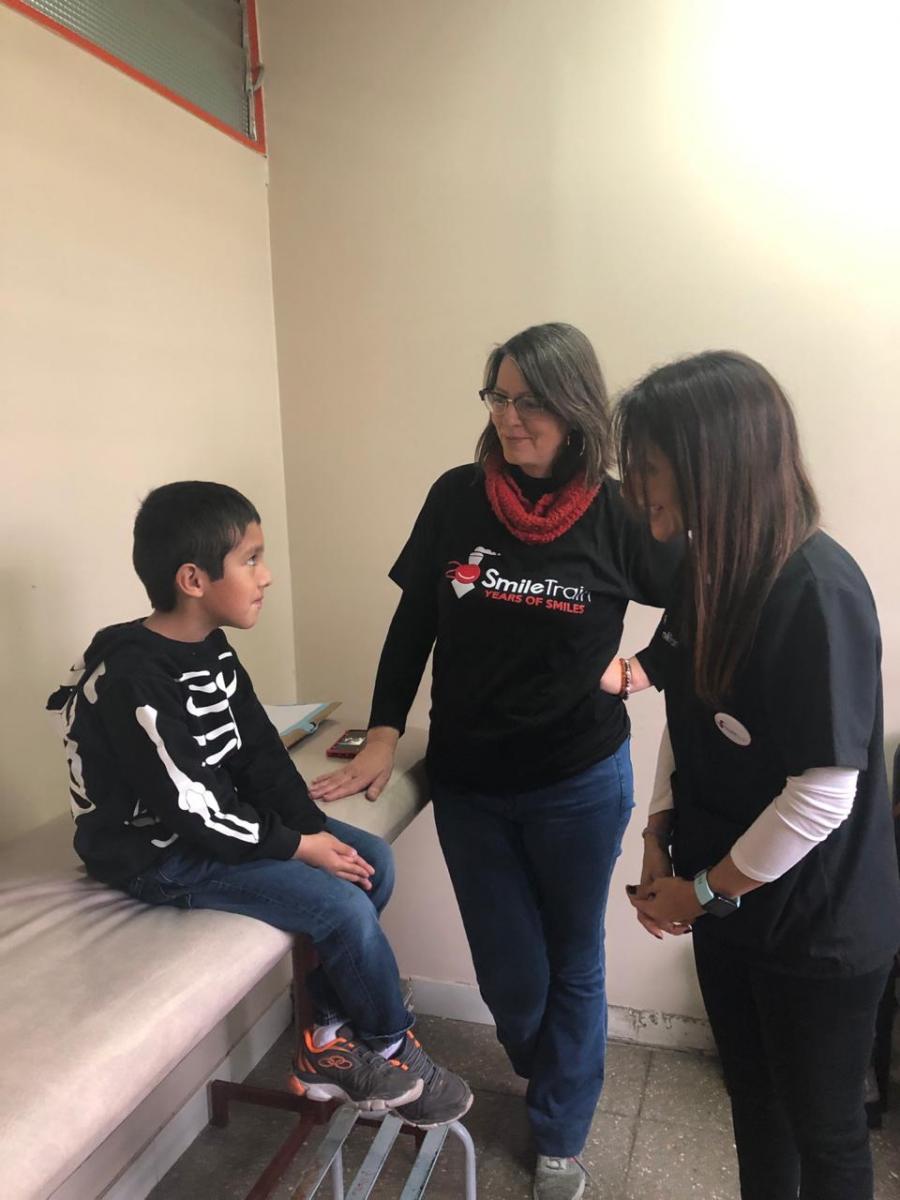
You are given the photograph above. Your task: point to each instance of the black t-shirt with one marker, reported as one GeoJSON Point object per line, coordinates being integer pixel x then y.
{"type": "Point", "coordinates": [523, 633]}
{"type": "Point", "coordinates": [808, 695]}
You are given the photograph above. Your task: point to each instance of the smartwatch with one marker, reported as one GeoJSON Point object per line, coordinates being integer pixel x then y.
{"type": "Point", "coordinates": [713, 902]}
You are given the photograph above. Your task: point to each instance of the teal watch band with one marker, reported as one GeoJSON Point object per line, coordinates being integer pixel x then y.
{"type": "Point", "coordinates": [712, 902]}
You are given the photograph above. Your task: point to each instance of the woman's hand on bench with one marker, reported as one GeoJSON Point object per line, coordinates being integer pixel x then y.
{"type": "Point", "coordinates": [328, 853]}
{"type": "Point", "coordinates": [368, 772]}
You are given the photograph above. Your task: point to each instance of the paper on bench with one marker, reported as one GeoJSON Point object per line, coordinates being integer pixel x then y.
{"type": "Point", "coordinates": [294, 722]}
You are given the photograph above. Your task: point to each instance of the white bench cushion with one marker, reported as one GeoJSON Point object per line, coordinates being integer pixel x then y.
{"type": "Point", "coordinates": [100, 996]}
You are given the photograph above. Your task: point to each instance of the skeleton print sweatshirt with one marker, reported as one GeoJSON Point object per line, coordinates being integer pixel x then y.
{"type": "Point", "coordinates": [168, 745]}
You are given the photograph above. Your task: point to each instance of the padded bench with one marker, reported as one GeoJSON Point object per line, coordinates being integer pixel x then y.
{"type": "Point", "coordinates": [113, 1013]}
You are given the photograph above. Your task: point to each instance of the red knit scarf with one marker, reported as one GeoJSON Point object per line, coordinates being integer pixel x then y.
{"type": "Point", "coordinates": [550, 516]}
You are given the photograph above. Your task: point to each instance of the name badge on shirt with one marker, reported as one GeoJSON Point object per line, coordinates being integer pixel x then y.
{"type": "Point", "coordinates": [732, 729]}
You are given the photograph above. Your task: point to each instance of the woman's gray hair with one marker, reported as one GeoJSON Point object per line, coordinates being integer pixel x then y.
{"type": "Point", "coordinates": [561, 368]}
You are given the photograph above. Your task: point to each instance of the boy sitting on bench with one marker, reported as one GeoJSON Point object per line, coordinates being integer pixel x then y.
{"type": "Point", "coordinates": [183, 794]}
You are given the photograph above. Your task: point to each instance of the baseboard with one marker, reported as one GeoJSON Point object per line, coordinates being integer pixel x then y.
{"type": "Point", "coordinates": [462, 1002]}
{"type": "Point", "coordinates": [458, 1001]}
{"type": "Point", "coordinates": [145, 1172]}
{"type": "Point", "coordinates": [668, 1031]}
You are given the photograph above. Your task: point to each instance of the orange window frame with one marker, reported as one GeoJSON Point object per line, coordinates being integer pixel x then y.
{"type": "Point", "coordinates": [258, 143]}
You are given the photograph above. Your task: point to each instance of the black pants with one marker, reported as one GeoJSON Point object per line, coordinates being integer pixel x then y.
{"type": "Point", "coordinates": [794, 1051]}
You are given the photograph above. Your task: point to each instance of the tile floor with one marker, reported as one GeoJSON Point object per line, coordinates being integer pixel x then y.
{"type": "Point", "coordinates": [661, 1132]}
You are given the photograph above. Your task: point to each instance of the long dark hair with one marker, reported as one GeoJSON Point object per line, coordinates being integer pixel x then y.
{"type": "Point", "coordinates": [728, 431]}
{"type": "Point", "coordinates": [561, 368]}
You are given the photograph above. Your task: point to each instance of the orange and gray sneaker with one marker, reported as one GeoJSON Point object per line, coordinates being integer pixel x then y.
{"type": "Point", "coordinates": [347, 1070]}
{"type": "Point", "coordinates": [445, 1097]}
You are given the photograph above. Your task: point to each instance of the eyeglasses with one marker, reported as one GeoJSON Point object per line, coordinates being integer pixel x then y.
{"type": "Point", "coordinates": [525, 406]}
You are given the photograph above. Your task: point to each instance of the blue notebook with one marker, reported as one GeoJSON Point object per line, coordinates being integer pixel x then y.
{"type": "Point", "coordinates": [294, 722]}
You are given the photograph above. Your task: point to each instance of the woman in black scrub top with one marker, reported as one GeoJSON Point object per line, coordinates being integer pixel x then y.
{"type": "Point", "coordinates": [769, 835]}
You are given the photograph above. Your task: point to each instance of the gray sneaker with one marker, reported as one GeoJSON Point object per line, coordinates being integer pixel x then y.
{"type": "Point", "coordinates": [347, 1070]}
{"type": "Point", "coordinates": [445, 1097]}
{"type": "Point", "coordinates": [558, 1178]}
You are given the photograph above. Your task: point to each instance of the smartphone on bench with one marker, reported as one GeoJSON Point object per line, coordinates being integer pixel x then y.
{"type": "Point", "coordinates": [348, 744]}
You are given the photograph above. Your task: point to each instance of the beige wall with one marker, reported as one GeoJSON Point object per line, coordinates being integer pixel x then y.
{"type": "Point", "coordinates": [668, 177]}
{"type": "Point", "coordinates": [138, 347]}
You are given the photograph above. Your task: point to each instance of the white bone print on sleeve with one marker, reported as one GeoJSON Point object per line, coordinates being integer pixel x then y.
{"type": "Point", "coordinates": [193, 797]}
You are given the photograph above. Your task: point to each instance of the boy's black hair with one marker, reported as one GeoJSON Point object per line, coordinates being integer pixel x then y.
{"type": "Point", "coordinates": [186, 522]}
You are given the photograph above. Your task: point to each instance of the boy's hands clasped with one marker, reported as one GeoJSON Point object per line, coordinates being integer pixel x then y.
{"type": "Point", "coordinates": [328, 853]}
{"type": "Point", "coordinates": [369, 771]}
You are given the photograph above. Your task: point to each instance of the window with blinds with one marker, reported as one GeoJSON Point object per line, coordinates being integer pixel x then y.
{"type": "Point", "coordinates": [203, 54]}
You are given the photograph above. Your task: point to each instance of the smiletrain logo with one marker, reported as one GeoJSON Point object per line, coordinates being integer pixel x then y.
{"type": "Point", "coordinates": [538, 593]}
{"type": "Point", "coordinates": [464, 576]}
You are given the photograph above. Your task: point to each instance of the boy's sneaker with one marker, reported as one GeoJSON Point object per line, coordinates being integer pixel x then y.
{"type": "Point", "coordinates": [445, 1097]}
{"type": "Point", "coordinates": [346, 1070]}
{"type": "Point", "coordinates": [558, 1178]}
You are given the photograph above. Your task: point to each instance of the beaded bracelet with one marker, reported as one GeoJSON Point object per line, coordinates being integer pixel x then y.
{"type": "Point", "coordinates": [625, 665]}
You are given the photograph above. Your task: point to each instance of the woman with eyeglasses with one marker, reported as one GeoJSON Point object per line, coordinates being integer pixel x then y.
{"type": "Point", "coordinates": [518, 570]}
{"type": "Point", "coordinates": [769, 833]}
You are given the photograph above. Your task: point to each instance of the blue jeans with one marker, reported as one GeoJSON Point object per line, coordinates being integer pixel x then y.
{"type": "Point", "coordinates": [531, 872]}
{"type": "Point", "coordinates": [358, 978]}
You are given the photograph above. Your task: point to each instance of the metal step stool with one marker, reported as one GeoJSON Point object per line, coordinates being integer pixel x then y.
{"type": "Point", "coordinates": [328, 1158]}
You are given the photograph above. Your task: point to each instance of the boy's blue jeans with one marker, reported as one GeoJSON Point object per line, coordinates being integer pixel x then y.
{"type": "Point", "coordinates": [531, 872]}
{"type": "Point", "coordinates": [358, 979]}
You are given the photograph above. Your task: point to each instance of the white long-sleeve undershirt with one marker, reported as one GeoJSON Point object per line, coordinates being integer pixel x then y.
{"type": "Point", "coordinates": [804, 813]}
